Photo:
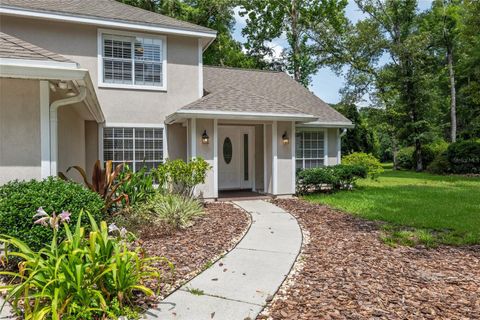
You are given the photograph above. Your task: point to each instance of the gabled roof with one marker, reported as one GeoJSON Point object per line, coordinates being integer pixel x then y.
{"type": "Point", "coordinates": [14, 48]}
{"type": "Point", "coordinates": [103, 9]}
{"type": "Point", "coordinates": [243, 90]}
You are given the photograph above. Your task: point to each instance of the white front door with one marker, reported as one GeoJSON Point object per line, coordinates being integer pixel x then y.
{"type": "Point", "coordinates": [235, 157]}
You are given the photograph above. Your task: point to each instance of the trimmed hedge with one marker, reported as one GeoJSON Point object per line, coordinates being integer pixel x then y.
{"type": "Point", "coordinates": [19, 201]}
{"type": "Point", "coordinates": [334, 178]}
{"type": "Point", "coordinates": [407, 157]}
{"type": "Point", "coordinates": [464, 156]}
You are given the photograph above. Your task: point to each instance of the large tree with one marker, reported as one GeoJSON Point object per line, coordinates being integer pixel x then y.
{"type": "Point", "coordinates": [270, 20]}
{"type": "Point", "coordinates": [214, 14]}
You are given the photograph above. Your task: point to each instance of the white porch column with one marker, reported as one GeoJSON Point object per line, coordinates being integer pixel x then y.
{"type": "Point", "coordinates": [294, 160]}
{"type": "Point", "coordinates": [215, 158]}
{"type": "Point", "coordinates": [193, 138]}
{"type": "Point", "coordinates": [274, 158]}
{"type": "Point", "coordinates": [325, 147]}
{"type": "Point", "coordinates": [265, 173]}
{"type": "Point", "coordinates": [45, 128]}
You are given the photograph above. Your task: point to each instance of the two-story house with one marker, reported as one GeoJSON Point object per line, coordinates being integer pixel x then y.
{"type": "Point", "coordinates": [82, 80]}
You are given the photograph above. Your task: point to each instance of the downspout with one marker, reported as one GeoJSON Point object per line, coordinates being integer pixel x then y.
{"type": "Point", "coordinates": [54, 125]}
{"type": "Point", "coordinates": [339, 145]}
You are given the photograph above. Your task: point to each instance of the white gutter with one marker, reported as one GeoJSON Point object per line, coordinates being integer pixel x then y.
{"type": "Point", "coordinates": [327, 124]}
{"type": "Point", "coordinates": [54, 125]}
{"type": "Point", "coordinates": [104, 22]}
{"type": "Point", "coordinates": [339, 145]}
{"type": "Point", "coordinates": [235, 115]}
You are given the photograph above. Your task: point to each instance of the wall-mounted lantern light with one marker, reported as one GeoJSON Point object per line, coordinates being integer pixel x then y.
{"type": "Point", "coordinates": [205, 137]}
{"type": "Point", "coordinates": [285, 138]}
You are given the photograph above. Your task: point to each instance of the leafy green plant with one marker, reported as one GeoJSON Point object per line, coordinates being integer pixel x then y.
{"type": "Point", "coordinates": [331, 178]}
{"type": "Point", "coordinates": [373, 166]}
{"type": "Point", "coordinates": [180, 177]}
{"type": "Point", "coordinates": [405, 158]}
{"type": "Point", "coordinates": [138, 187]}
{"type": "Point", "coordinates": [79, 277]}
{"type": "Point", "coordinates": [174, 210]}
{"type": "Point", "coordinates": [105, 182]}
{"type": "Point", "coordinates": [20, 199]}
{"type": "Point", "coordinates": [464, 156]}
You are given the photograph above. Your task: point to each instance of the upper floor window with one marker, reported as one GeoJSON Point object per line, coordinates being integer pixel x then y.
{"type": "Point", "coordinates": [130, 61]}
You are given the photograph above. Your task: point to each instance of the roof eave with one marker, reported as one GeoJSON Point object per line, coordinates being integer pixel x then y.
{"type": "Point", "coordinates": [233, 115]}
{"type": "Point", "coordinates": [47, 70]}
{"type": "Point", "coordinates": [14, 11]}
{"type": "Point", "coordinates": [327, 124]}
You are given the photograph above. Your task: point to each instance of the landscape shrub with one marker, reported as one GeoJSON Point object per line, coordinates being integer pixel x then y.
{"type": "Point", "coordinates": [331, 178]}
{"type": "Point", "coordinates": [464, 156]}
{"type": "Point", "coordinates": [405, 158]}
{"type": "Point", "coordinates": [19, 201]}
{"type": "Point", "coordinates": [81, 277]}
{"type": "Point", "coordinates": [172, 210]}
{"type": "Point", "coordinates": [440, 165]}
{"type": "Point", "coordinates": [138, 188]}
{"type": "Point", "coordinates": [372, 164]}
{"type": "Point", "coordinates": [180, 177]}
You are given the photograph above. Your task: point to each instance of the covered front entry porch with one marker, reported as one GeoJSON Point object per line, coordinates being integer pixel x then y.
{"type": "Point", "coordinates": [245, 155]}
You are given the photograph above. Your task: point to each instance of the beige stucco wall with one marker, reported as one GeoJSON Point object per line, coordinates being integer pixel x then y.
{"type": "Point", "coordinates": [285, 165]}
{"type": "Point", "coordinates": [177, 141]}
{"type": "Point", "coordinates": [91, 145]}
{"type": "Point", "coordinates": [205, 151]}
{"type": "Point", "coordinates": [79, 43]}
{"type": "Point", "coordinates": [20, 156]}
{"type": "Point", "coordinates": [332, 146]}
{"type": "Point", "coordinates": [71, 141]}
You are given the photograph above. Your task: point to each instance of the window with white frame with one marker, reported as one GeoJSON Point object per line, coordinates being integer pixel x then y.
{"type": "Point", "coordinates": [137, 147]}
{"type": "Point", "coordinates": [133, 61]}
{"type": "Point", "coordinates": [310, 149]}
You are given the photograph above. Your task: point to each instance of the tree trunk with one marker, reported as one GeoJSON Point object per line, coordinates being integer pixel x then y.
{"type": "Point", "coordinates": [418, 152]}
{"type": "Point", "coordinates": [394, 151]}
{"type": "Point", "coordinates": [453, 95]}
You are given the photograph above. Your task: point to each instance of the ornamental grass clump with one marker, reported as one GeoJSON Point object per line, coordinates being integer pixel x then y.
{"type": "Point", "coordinates": [94, 277]}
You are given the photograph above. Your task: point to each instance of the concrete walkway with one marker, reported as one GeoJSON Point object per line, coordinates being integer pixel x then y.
{"type": "Point", "coordinates": [238, 285]}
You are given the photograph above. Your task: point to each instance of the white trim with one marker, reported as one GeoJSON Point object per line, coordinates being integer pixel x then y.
{"type": "Point", "coordinates": [274, 158]}
{"type": "Point", "coordinates": [40, 71]}
{"type": "Point", "coordinates": [227, 115]}
{"type": "Point", "coordinates": [265, 174]}
{"type": "Point", "coordinates": [339, 147]}
{"type": "Point", "coordinates": [100, 143]}
{"type": "Point", "coordinates": [193, 137]}
{"type": "Point", "coordinates": [105, 22]}
{"type": "Point", "coordinates": [293, 136]}
{"type": "Point", "coordinates": [316, 124]}
{"type": "Point", "coordinates": [325, 147]}
{"type": "Point", "coordinates": [200, 69]}
{"type": "Point", "coordinates": [165, 143]}
{"type": "Point", "coordinates": [38, 63]}
{"type": "Point", "coordinates": [45, 128]}
{"type": "Point", "coordinates": [133, 86]}
{"type": "Point", "coordinates": [215, 158]}
{"type": "Point", "coordinates": [134, 125]}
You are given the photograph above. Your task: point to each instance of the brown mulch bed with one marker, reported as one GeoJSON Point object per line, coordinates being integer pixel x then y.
{"type": "Point", "coordinates": [193, 249]}
{"type": "Point", "coordinates": [346, 272]}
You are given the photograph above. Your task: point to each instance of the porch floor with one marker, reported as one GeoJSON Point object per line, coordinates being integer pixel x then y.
{"type": "Point", "coordinates": [238, 195]}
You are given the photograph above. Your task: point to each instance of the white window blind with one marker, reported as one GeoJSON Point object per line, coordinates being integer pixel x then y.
{"type": "Point", "coordinates": [137, 147]}
{"type": "Point", "coordinates": [310, 151]}
{"type": "Point", "coordinates": [134, 61]}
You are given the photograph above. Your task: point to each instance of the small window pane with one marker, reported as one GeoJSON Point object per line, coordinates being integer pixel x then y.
{"type": "Point", "coordinates": [245, 157]}
{"type": "Point", "coordinates": [227, 150]}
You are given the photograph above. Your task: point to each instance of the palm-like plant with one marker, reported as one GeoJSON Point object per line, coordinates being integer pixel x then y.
{"type": "Point", "coordinates": [105, 182]}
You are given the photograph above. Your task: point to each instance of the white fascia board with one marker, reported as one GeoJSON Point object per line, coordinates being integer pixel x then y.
{"type": "Point", "coordinates": [205, 114]}
{"type": "Point", "coordinates": [39, 63]}
{"type": "Point", "coordinates": [104, 22]}
{"type": "Point", "coordinates": [40, 71]}
{"type": "Point", "coordinates": [321, 124]}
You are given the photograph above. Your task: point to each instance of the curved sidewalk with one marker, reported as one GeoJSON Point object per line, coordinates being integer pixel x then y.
{"type": "Point", "coordinates": [237, 286]}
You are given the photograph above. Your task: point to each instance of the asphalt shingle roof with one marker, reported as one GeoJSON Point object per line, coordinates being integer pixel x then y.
{"type": "Point", "coordinates": [14, 48]}
{"type": "Point", "coordinates": [104, 9]}
{"type": "Point", "coordinates": [236, 90]}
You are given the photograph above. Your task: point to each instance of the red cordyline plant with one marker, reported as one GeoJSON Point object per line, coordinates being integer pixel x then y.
{"type": "Point", "coordinates": [105, 182]}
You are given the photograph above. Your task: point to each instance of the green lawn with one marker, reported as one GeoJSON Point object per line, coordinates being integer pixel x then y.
{"type": "Point", "coordinates": [419, 207]}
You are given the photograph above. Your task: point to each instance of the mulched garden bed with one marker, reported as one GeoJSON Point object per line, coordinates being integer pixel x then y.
{"type": "Point", "coordinates": [194, 249]}
{"type": "Point", "coordinates": [346, 272]}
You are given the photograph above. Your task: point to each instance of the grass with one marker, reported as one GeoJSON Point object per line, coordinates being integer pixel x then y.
{"type": "Point", "coordinates": [418, 207]}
